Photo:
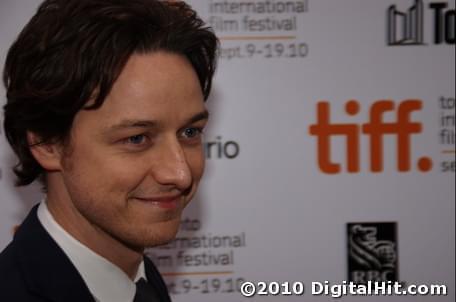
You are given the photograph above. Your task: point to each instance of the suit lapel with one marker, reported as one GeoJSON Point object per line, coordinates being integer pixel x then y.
{"type": "Point", "coordinates": [154, 278]}
{"type": "Point", "coordinates": [47, 271]}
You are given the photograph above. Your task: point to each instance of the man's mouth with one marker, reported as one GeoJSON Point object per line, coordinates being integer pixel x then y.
{"type": "Point", "coordinates": [164, 202]}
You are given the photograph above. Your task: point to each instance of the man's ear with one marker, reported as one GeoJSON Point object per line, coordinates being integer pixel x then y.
{"type": "Point", "coordinates": [48, 155]}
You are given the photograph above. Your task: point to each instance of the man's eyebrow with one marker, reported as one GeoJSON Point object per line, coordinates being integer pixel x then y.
{"type": "Point", "coordinates": [125, 124]}
{"type": "Point", "coordinates": [203, 115]}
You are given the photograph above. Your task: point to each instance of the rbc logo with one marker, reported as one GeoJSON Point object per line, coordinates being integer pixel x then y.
{"type": "Point", "coordinates": [403, 128]}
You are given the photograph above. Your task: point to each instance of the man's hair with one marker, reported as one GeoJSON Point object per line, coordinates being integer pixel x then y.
{"type": "Point", "coordinates": [72, 51]}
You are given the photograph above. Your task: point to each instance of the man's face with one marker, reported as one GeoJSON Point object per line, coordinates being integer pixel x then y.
{"type": "Point", "coordinates": [132, 165]}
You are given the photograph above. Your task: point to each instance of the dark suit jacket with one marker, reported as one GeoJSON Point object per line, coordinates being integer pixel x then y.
{"type": "Point", "coordinates": [33, 268]}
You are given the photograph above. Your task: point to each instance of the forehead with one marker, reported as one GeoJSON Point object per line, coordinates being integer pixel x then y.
{"type": "Point", "coordinates": [156, 86]}
{"type": "Point", "coordinates": [160, 76]}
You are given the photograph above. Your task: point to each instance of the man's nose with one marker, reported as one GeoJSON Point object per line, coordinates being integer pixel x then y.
{"type": "Point", "coordinates": [171, 167]}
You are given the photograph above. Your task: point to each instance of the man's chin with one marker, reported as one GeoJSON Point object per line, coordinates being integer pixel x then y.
{"type": "Point", "coordinates": [159, 236]}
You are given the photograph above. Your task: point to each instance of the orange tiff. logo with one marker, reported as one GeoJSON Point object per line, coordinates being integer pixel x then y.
{"type": "Point", "coordinates": [376, 128]}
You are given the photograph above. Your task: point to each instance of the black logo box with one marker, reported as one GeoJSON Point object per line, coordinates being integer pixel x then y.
{"type": "Point", "coordinates": [372, 251]}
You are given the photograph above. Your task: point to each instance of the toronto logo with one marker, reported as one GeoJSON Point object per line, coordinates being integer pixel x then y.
{"type": "Point", "coordinates": [372, 252]}
{"type": "Point", "coordinates": [406, 27]}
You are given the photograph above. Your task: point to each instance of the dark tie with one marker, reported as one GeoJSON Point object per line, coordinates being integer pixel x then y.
{"type": "Point", "coordinates": [145, 292]}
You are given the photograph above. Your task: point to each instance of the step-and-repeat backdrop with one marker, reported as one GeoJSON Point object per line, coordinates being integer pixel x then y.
{"type": "Point", "coordinates": [330, 154]}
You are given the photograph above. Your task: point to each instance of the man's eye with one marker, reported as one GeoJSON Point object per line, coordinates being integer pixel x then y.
{"type": "Point", "coordinates": [136, 139]}
{"type": "Point", "coordinates": [192, 132]}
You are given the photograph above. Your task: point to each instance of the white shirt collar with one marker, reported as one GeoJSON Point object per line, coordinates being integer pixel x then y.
{"type": "Point", "coordinates": [106, 281]}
